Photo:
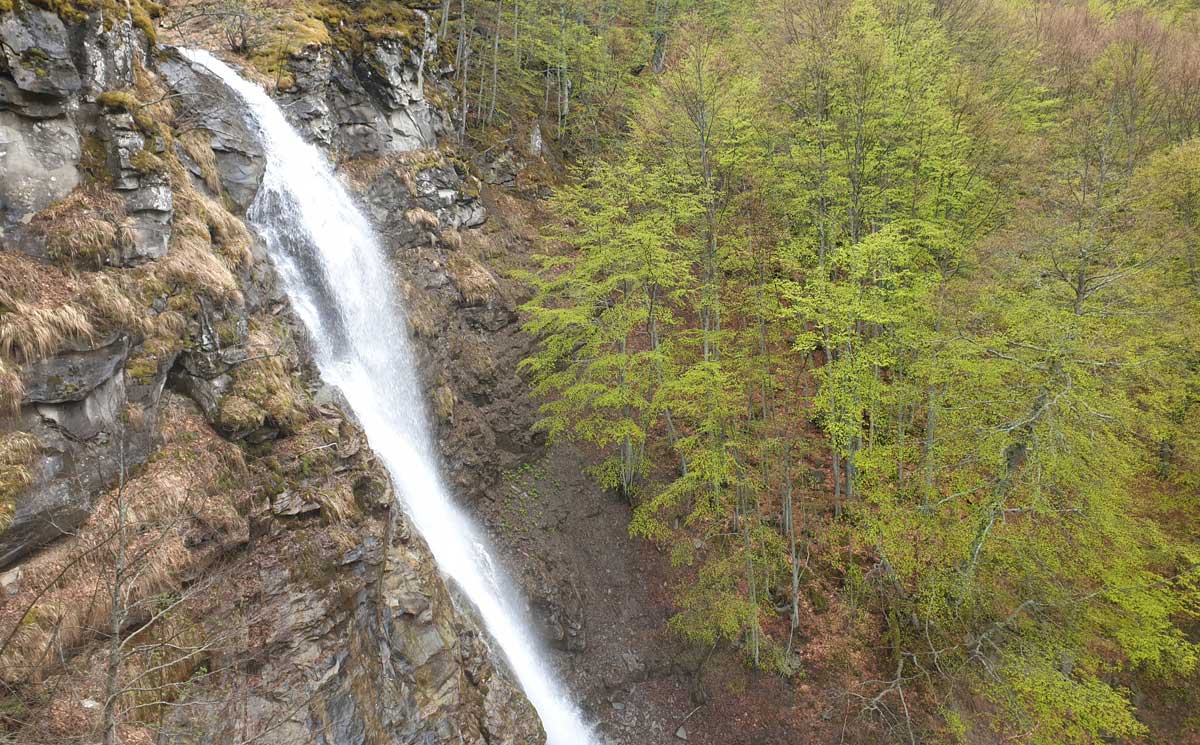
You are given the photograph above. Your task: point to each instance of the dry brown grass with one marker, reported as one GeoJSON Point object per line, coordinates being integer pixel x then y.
{"type": "Point", "coordinates": [422, 217]}
{"type": "Point", "coordinates": [194, 488]}
{"type": "Point", "coordinates": [420, 309]}
{"type": "Point", "coordinates": [17, 453]}
{"type": "Point", "coordinates": [472, 279]}
{"type": "Point", "coordinates": [12, 389]}
{"type": "Point", "coordinates": [451, 239]}
{"type": "Point", "coordinates": [109, 306]}
{"type": "Point", "coordinates": [155, 112]}
{"type": "Point", "coordinates": [190, 267]}
{"type": "Point", "coordinates": [33, 283]}
{"type": "Point", "coordinates": [361, 172]}
{"type": "Point", "coordinates": [28, 333]}
{"type": "Point", "coordinates": [85, 228]}
{"type": "Point", "coordinates": [43, 311]}
{"type": "Point", "coordinates": [197, 143]}
{"type": "Point", "coordinates": [232, 237]}
{"type": "Point", "coordinates": [268, 383]}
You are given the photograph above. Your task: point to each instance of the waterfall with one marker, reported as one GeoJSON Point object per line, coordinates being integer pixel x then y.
{"type": "Point", "coordinates": [331, 265]}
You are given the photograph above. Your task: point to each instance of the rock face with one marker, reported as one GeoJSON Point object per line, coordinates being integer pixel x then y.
{"type": "Point", "coordinates": [172, 343]}
{"type": "Point", "coordinates": [208, 107]}
{"type": "Point", "coordinates": [75, 398]}
{"type": "Point", "coordinates": [369, 105]}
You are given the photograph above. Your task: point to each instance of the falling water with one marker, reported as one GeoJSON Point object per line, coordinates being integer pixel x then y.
{"type": "Point", "coordinates": [333, 270]}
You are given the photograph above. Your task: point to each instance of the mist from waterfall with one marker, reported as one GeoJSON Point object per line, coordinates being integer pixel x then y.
{"type": "Point", "coordinates": [333, 269]}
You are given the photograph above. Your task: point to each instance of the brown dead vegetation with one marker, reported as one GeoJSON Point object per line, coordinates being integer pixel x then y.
{"type": "Point", "coordinates": [361, 172]}
{"type": "Point", "coordinates": [197, 143]}
{"type": "Point", "coordinates": [17, 451]}
{"type": "Point", "coordinates": [84, 229]}
{"type": "Point", "coordinates": [266, 393]}
{"type": "Point", "coordinates": [472, 278]}
{"type": "Point", "coordinates": [194, 487]}
{"type": "Point", "coordinates": [422, 218]}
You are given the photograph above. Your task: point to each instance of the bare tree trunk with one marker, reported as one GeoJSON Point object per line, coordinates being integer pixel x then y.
{"type": "Point", "coordinates": [837, 482]}
{"type": "Point", "coordinates": [658, 56]}
{"type": "Point", "coordinates": [462, 63]}
{"type": "Point", "coordinates": [112, 674]}
{"type": "Point", "coordinates": [495, 59]}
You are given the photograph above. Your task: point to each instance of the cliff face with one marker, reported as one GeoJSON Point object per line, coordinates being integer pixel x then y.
{"type": "Point", "coordinates": [192, 531]}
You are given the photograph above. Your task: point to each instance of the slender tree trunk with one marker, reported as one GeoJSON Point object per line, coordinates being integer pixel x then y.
{"type": "Point", "coordinates": [495, 60]}
{"type": "Point", "coordinates": [118, 610]}
{"type": "Point", "coordinates": [658, 56]}
{"type": "Point", "coordinates": [837, 482]}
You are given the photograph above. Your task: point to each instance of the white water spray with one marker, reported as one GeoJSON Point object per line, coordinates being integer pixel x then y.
{"type": "Point", "coordinates": [334, 272]}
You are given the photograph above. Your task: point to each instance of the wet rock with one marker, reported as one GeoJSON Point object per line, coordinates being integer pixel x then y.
{"type": "Point", "coordinates": [304, 103]}
{"type": "Point", "coordinates": [205, 104]}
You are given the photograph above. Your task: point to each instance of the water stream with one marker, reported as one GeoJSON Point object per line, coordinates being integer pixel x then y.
{"type": "Point", "coordinates": [331, 265]}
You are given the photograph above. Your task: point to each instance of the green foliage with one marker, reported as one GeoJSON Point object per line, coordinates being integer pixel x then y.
{"type": "Point", "coordinates": [603, 316]}
{"type": "Point", "coordinates": [963, 245]}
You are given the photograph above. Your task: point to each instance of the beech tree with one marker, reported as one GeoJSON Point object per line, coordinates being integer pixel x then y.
{"type": "Point", "coordinates": [951, 247]}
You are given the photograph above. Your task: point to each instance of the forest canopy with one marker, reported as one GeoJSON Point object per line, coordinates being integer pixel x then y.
{"type": "Point", "coordinates": [894, 303]}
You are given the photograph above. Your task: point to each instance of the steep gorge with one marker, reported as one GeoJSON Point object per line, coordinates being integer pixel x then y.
{"type": "Point", "coordinates": [162, 404]}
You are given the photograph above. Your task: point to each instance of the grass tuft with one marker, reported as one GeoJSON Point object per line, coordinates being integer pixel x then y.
{"type": "Point", "coordinates": [422, 217]}
{"type": "Point", "coordinates": [17, 454]}
{"type": "Point", "coordinates": [472, 279]}
{"type": "Point", "coordinates": [84, 229]}
{"type": "Point", "coordinates": [197, 143]}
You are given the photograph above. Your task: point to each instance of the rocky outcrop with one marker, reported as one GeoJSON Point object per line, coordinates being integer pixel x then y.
{"type": "Point", "coordinates": [39, 142]}
{"type": "Point", "coordinates": [75, 397]}
{"type": "Point", "coordinates": [369, 103]}
{"type": "Point", "coordinates": [208, 107]}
